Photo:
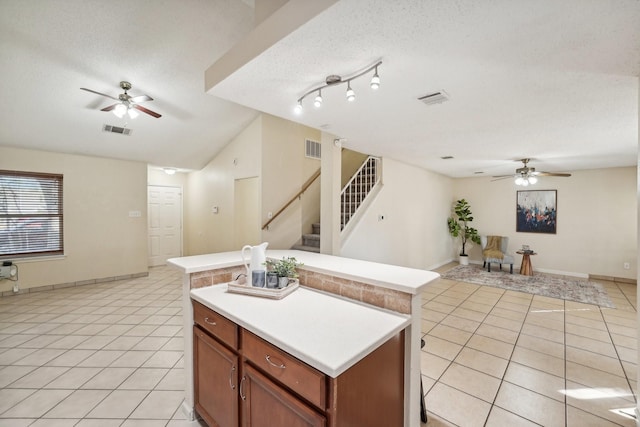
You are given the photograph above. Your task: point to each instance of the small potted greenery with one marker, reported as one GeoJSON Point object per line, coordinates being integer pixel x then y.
{"type": "Point", "coordinates": [285, 269]}
{"type": "Point", "coordinates": [459, 226]}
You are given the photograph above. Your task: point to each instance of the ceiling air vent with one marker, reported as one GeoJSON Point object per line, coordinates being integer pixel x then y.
{"type": "Point", "coordinates": [116, 129]}
{"type": "Point", "coordinates": [312, 149]}
{"type": "Point", "coordinates": [435, 98]}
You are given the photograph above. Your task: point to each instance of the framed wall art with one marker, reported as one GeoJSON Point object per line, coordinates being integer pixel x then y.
{"type": "Point", "coordinates": [536, 211]}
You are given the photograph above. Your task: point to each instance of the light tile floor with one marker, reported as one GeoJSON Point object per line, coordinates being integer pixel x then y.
{"type": "Point", "coordinates": [100, 355]}
{"type": "Point", "coordinates": [501, 358]}
{"type": "Point", "coordinates": [111, 355]}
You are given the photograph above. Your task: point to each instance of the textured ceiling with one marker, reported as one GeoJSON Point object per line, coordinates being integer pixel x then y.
{"type": "Point", "coordinates": [556, 81]}
{"type": "Point", "coordinates": [553, 81]}
{"type": "Point", "coordinates": [50, 49]}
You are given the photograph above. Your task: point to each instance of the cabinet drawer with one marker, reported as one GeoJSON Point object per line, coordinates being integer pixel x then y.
{"type": "Point", "coordinates": [308, 382]}
{"type": "Point", "coordinates": [218, 326]}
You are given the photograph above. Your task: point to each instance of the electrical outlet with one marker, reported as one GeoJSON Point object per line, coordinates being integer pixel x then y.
{"type": "Point", "coordinates": [626, 266]}
{"type": "Point", "coordinates": [16, 288]}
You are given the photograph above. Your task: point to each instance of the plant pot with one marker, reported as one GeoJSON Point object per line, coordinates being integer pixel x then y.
{"type": "Point", "coordinates": [463, 259]}
{"type": "Point", "coordinates": [283, 282]}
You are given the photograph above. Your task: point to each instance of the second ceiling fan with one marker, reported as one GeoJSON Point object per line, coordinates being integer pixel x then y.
{"type": "Point", "coordinates": [527, 175]}
{"type": "Point", "coordinates": [127, 104]}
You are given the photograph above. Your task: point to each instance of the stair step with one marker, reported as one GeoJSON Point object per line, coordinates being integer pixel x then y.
{"type": "Point", "coordinates": [306, 248]}
{"type": "Point", "coordinates": [311, 240]}
{"type": "Point", "coordinates": [316, 228]}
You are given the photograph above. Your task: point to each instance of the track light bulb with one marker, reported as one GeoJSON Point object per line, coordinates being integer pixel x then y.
{"type": "Point", "coordinates": [317, 102]}
{"type": "Point", "coordinates": [351, 95]}
{"type": "Point", "coordinates": [375, 80]}
{"type": "Point", "coordinates": [298, 108]}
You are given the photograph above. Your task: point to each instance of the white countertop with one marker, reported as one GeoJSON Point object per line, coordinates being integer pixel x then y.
{"type": "Point", "coordinates": [329, 333]}
{"type": "Point", "coordinates": [404, 279]}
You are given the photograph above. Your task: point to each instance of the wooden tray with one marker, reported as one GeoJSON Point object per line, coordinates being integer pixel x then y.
{"type": "Point", "coordinates": [238, 288]}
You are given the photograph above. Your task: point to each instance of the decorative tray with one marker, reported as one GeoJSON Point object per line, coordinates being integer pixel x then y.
{"type": "Point", "coordinates": [241, 288]}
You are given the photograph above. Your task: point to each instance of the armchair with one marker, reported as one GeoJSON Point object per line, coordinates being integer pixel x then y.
{"type": "Point", "coordinates": [494, 250]}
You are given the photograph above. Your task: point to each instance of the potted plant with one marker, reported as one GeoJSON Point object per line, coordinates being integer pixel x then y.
{"type": "Point", "coordinates": [285, 269]}
{"type": "Point", "coordinates": [459, 226]}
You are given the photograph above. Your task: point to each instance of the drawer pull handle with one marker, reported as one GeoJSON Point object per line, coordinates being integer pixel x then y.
{"type": "Point", "coordinates": [242, 396]}
{"type": "Point", "coordinates": [233, 369]}
{"type": "Point", "coordinates": [206, 320]}
{"type": "Point", "coordinates": [268, 358]}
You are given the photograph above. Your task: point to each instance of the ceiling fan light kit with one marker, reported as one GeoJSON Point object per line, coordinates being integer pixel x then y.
{"type": "Point", "coordinates": [334, 80]}
{"type": "Point", "coordinates": [526, 176]}
{"type": "Point", "coordinates": [127, 105]}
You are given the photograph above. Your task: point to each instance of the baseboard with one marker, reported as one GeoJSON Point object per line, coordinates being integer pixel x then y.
{"type": "Point", "coordinates": [188, 411]}
{"type": "Point", "coordinates": [613, 279]}
{"type": "Point", "coordinates": [73, 284]}
{"type": "Point", "coordinates": [436, 266]}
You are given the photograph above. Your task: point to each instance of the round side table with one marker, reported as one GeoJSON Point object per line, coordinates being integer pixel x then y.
{"type": "Point", "coordinates": [525, 268]}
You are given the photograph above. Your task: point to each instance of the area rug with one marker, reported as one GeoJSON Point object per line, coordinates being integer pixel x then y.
{"type": "Point", "coordinates": [539, 284]}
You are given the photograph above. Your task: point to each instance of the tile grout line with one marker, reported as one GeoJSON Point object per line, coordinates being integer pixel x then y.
{"type": "Point", "coordinates": [502, 380]}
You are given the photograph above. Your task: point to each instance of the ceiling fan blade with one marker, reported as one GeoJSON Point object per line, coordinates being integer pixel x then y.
{"type": "Point", "coordinates": [553, 174]}
{"type": "Point", "coordinates": [146, 110]}
{"type": "Point", "coordinates": [109, 108]}
{"type": "Point", "coordinates": [141, 98]}
{"type": "Point", "coordinates": [98, 93]}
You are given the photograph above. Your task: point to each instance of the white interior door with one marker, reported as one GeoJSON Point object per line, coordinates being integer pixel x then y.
{"type": "Point", "coordinates": [246, 212]}
{"type": "Point", "coordinates": [164, 223]}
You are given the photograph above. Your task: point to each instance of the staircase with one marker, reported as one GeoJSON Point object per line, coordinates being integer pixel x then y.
{"type": "Point", "coordinates": [357, 189]}
{"type": "Point", "coordinates": [310, 242]}
{"type": "Point", "coordinates": [352, 197]}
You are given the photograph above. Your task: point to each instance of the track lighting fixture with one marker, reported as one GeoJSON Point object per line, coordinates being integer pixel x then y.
{"type": "Point", "coordinates": [351, 95]}
{"type": "Point", "coordinates": [317, 102]}
{"type": "Point", "coordinates": [334, 80]}
{"type": "Point", "coordinates": [375, 80]}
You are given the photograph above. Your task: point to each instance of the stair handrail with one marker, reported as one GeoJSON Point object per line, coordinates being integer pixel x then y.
{"type": "Point", "coordinates": [304, 187]}
{"type": "Point", "coordinates": [346, 195]}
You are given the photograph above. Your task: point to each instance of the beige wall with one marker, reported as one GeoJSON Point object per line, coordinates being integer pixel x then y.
{"type": "Point", "coordinates": [596, 230]}
{"type": "Point", "coordinates": [101, 240]}
{"type": "Point", "coordinates": [351, 162]}
{"type": "Point", "coordinates": [213, 185]}
{"type": "Point", "coordinates": [415, 204]}
{"type": "Point", "coordinates": [284, 169]}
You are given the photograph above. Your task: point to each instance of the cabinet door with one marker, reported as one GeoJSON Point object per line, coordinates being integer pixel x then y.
{"type": "Point", "coordinates": [264, 404]}
{"type": "Point", "coordinates": [215, 381]}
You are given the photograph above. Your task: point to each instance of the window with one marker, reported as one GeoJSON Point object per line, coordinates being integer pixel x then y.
{"type": "Point", "coordinates": [30, 214]}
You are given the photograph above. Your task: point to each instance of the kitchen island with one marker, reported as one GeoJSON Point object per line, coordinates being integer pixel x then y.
{"type": "Point", "coordinates": [346, 314]}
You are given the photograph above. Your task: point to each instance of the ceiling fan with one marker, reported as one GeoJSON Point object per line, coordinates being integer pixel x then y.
{"type": "Point", "coordinates": [127, 104]}
{"type": "Point", "coordinates": [526, 175]}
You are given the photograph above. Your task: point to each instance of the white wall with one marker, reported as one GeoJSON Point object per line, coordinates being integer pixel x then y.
{"type": "Point", "coordinates": [415, 204]}
{"type": "Point", "coordinates": [100, 239]}
{"type": "Point", "coordinates": [596, 227]}
{"type": "Point", "coordinates": [213, 185]}
{"type": "Point", "coordinates": [284, 169]}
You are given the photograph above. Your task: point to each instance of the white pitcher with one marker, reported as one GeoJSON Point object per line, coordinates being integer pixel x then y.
{"type": "Point", "coordinates": [257, 260]}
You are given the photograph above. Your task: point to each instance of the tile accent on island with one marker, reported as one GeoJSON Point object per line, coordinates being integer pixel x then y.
{"type": "Point", "coordinates": [363, 292]}
{"type": "Point", "coordinates": [380, 297]}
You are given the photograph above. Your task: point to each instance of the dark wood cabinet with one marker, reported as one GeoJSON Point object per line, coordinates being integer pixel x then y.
{"type": "Point", "coordinates": [242, 380]}
{"type": "Point", "coordinates": [265, 404]}
{"type": "Point", "coordinates": [216, 381]}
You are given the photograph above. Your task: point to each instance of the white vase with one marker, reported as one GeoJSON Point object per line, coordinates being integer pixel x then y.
{"type": "Point", "coordinates": [463, 259]}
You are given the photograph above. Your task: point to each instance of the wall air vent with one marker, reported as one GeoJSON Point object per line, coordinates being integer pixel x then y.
{"type": "Point", "coordinates": [116, 129]}
{"type": "Point", "coordinates": [312, 149]}
{"type": "Point", "coordinates": [435, 98]}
